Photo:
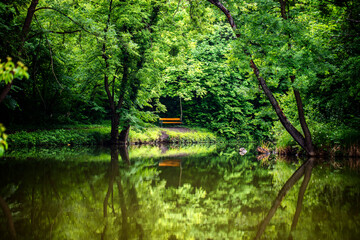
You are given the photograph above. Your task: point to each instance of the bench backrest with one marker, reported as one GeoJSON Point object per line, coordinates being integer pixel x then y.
{"type": "Point", "coordinates": [170, 121]}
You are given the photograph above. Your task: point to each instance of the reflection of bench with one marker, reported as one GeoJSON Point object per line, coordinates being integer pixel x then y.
{"type": "Point", "coordinates": [170, 121]}
{"type": "Point", "coordinates": [170, 163]}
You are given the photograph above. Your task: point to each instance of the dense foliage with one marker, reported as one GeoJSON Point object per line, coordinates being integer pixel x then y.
{"type": "Point", "coordinates": [214, 93]}
{"type": "Point", "coordinates": [130, 61]}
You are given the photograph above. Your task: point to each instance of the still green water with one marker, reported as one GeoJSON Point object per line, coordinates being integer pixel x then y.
{"type": "Point", "coordinates": [189, 192]}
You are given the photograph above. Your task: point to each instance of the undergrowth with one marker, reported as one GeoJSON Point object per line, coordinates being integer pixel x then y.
{"type": "Point", "coordinates": [100, 135]}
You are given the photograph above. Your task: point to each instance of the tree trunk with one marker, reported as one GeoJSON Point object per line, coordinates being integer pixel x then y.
{"type": "Point", "coordinates": [27, 23]}
{"type": "Point", "coordinates": [5, 92]}
{"type": "Point", "coordinates": [114, 135]}
{"type": "Point", "coordinates": [283, 119]}
{"type": "Point", "coordinates": [124, 135]}
{"type": "Point", "coordinates": [308, 140]}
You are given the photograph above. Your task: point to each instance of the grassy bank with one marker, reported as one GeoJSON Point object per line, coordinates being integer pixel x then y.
{"type": "Point", "coordinates": [172, 135]}
{"type": "Point", "coordinates": [100, 135]}
{"type": "Point", "coordinates": [328, 139]}
{"type": "Point", "coordinates": [101, 154]}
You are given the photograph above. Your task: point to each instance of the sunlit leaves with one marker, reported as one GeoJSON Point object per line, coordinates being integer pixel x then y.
{"type": "Point", "coordinates": [3, 137]}
{"type": "Point", "coordinates": [9, 71]}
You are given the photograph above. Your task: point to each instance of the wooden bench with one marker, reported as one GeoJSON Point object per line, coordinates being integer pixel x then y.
{"type": "Point", "coordinates": [170, 121]}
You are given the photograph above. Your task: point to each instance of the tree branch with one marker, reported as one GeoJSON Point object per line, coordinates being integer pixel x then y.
{"type": "Point", "coordinates": [63, 33]}
{"type": "Point", "coordinates": [55, 32]}
{"type": "Point", "coordinates": [353, 20]}
{"type": "Point", "coordinates": [28, 19]}
{"type": "Point", "coordinates": [218, 4]}
{"type": "Point", "coordinates": [65, 15]}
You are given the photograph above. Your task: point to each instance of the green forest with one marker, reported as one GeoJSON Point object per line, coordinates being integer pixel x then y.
{"type": "Point", "coordinates": [284, 72]}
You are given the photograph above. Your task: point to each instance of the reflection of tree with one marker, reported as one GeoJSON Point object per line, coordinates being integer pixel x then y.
{"type": "Point", "coordinates": [220, 197]}
{"type": "Point", "coordinates": [127, 201]}
{"type": "Point", "coordinates": [305, 170]}
{"type": "Point", "coordinates": [9, 218]}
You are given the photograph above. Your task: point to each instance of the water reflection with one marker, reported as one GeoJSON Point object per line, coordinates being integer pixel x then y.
{"type": "Point", "coordinates": [125, 206]}
{"type": "Point", "coordinates": [304, 170]}
{"type": "Point", "coordinates": [214, 194]}
{"type": "Point", "coordinates": [172, 162]}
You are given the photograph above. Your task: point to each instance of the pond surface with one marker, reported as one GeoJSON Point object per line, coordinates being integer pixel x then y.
{"type": "Point", "coordinates": [189, 192]}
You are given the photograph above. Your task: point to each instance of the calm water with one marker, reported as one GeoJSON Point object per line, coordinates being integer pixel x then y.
{"type": "Point", "coordinates": [192, 192]}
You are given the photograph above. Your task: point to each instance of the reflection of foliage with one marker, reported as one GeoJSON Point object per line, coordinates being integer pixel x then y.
{"type": "Point", "coordinates": [68, 154]}
{"type": "Point", "coordinates": [172, 150]}
{"type": "Point", "coordinates": [91, 154]}
{"type": "Point", "coordinates": [221, 196]}
{"type": "Point", "coordinates": [153, 134]}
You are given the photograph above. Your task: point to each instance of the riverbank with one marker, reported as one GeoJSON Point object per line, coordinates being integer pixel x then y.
{"type": "Point", "coordinates": [100, 135]}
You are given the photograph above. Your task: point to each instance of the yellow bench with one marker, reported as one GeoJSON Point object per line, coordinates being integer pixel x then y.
{"type": "Point", "coordinates": [170, 121]}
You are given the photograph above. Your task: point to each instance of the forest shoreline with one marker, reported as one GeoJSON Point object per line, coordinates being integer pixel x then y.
{"type": "Point", "coordinates": [100, 135]}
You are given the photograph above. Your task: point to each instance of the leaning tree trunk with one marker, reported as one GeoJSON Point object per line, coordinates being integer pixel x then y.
{"type": "Point", "coordinates": [304, 142]}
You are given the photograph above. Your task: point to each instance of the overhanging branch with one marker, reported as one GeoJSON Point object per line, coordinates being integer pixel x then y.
{"type": "Point", "coordinates": [68, 17]}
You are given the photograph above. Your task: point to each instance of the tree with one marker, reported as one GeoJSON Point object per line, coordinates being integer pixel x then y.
{"type": "Point", "coordinates": [130, 53]}
{"type": "Point", "coordinates": [275, 23]}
